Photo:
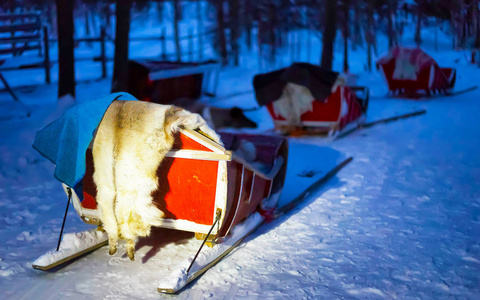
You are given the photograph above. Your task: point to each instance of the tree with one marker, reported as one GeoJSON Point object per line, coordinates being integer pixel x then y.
{"type": "Point", "coordinates": [370, 33]}
{"type": "Point", "coordinates": [329, 33]}
{"type": "Point", "coordinates": [346, 33]}
{"type": "Point", "coordinates": [66, 59]}
{"type": "Point", "coordinates": [418, 28]}
{"type": "Point", "coordinates": [476, 23]}
{"type": "Point", "coordinates": [222, 41]}
{"type": "Point", "coordinates": [120, 67]}
{"type": "Point", "coordinates": [234, 6]}
{"type": "Point", "coordinates": [392, 36]}
{"type": "Point", "coordinates": [176, 29]}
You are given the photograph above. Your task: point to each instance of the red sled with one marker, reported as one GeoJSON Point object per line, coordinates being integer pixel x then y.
{"type": "Point", "coordinates": [301, 96]}
{"type": "Point", "coordinates": [410, 72]}
{"type": "Point", "coordinates": [200, 181]}
{"type": "Point", "coordinates": [341, 108]}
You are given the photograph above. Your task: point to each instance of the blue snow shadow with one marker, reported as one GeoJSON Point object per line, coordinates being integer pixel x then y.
{"type": "Point", "coordinates": [306, 164]}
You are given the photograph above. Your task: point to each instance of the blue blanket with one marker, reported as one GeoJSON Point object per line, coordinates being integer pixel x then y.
{"type": "Point", "coordinates": [65, 141]}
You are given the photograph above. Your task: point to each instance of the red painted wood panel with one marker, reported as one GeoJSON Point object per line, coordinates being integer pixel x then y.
{"type": "Point", "coordinates": [187, 189]}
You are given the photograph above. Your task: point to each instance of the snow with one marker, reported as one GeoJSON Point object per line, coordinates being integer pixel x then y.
{"type": "Point", "coordinates": [400, 221]}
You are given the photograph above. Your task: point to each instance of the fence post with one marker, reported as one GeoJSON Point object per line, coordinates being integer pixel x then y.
{"type": "Point", "coordinates": [164, 44]}
{"type": "Point", "coordinates": [46, 61]}
{"type": "Point", "coordinates": [39, 24]}
{"type": "Point", "coordinates": [298, 41]}
{"type": "Point", "coordinates": [291, 45]}
{"type": "Point", "coordinates": [103, 35]}
{"type": "Point", "coordinates": [309, 45]}
{"type": "Point", "coordinates": [190, 44]}
{"type": "Point", "coordinates": [200, 45]}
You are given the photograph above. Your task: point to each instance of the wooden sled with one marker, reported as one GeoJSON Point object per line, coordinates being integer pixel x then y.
{"type": "Point", "coordinates": [200, 181]}
{"type": "Point", "coordinates": [344, 108]}
{"type": "Point", "coordinates": [429, 78]}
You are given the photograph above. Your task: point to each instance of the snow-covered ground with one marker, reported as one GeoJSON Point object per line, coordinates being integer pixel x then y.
{"type": "Point", "coordinates": [401, 221]}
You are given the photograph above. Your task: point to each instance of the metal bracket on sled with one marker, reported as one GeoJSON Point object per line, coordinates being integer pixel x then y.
{"type": "Point", "coordinates": [217, 218]}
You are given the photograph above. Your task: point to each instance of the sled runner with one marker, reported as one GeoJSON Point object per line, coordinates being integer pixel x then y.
{"type": "Point", "coordinates": [307, 97]}
{"type": "Point", "coordinates": [384, 120]}
{"type": "Point", "coordinates": [410, 72]}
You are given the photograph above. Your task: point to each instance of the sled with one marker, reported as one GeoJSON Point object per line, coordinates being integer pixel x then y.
{"type": "Point", "coordinates": [412, 72]}
{"type": "Point", "coordinates": [164, 81]}
{"type": "Point", "coordinates": [341, 110]}
{"type": "Point", "coordinates": [203, 187]}
{"type": "Point", "coordinates": [325, 105]}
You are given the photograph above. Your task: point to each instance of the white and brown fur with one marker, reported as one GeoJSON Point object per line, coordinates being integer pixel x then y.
{"type": "Point", "coordinates": [130, 143]}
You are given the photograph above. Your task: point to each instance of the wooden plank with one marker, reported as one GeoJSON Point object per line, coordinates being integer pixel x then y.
{"type": "Point", "coordinates": [30, 26]}
{"type": "Point", "coordinates": [19, 49]}
{"type": "Point", "coordinates": [5, 17]}
{"type": "Point", "coordinates": [206, 141]}
{"type": "Point", "coordinates": [21, 39]}
{"type": "Point", "coordinates": [201, 155]}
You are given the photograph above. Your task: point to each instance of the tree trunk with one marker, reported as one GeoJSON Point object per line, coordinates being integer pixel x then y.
{"type": "Point", "coordinates": [234, 29]}
{"type": "Point", "coordinates": [476, 23]}
{"type": "Point", "coordinates": [160, 8]}
{"type": "Point", "coordinates": [273, 25]}
{"type": "Point", "coordinates": [248, 22]}
{"type": "Point", "coordinates": [200, 30]}
{"type": "Point", "coordinates": [222, 43]}
{"type": "Point", "coordinates": [66, 59]}
{"type": "Point", "coordinates": [346, 33]}
{"type": "Point", "coordinates": [329, 34]}
{"type": "Point", "coordinates": [120, 67]}
{"type": "Point", "coordinates": [391, 31]}
{"type": "Point", "coordinates": [418, 28]}
{"type": "Point", "coordinates": [176, 29]}
{"type": "Point", "coordinates": [87, 22]}
{"type": "Point", "coordinates": [369, 34]}
{"type": "Point", "coordinates": [357, 31]}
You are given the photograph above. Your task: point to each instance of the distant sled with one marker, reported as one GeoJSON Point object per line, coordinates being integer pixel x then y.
{"type": "Point", "coordinates": [307, 98]}
{"type": "Point", "coordinates": [413, 73]}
